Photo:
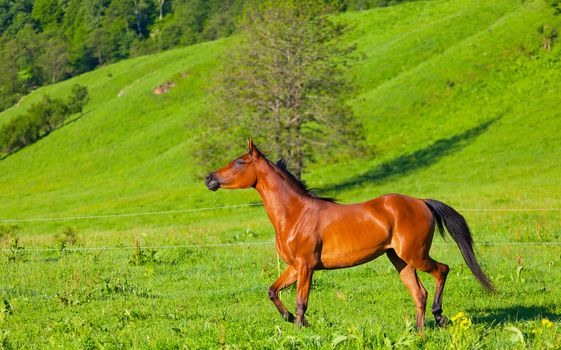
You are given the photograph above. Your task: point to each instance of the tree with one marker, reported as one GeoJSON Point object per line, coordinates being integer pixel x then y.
{"type": "Point", "coordinates": [28, 47]}
{"type": "Point", "coordinates": [9, 86]}
{"type": "Point", "coordinates": [160, 4]}
{"type": "Point", "coordinates": [55, 58]}
{"type": "Point", "coordinates": [283, 81]}
{"type": "Point", "coordinates": [14, 15]}
{"type": "Point", "coordinates": [79, 96]}
{"type": "Point", "coordinates": [143, 10]}
{"type": "Point", "coordinates": [47, 12]}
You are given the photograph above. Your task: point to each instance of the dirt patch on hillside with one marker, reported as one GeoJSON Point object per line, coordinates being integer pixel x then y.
{"type": "Point", "coordinates": [164, 88]}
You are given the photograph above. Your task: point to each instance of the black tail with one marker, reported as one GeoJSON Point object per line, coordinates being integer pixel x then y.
{"type": "Point", "coordinates": [457, 227]}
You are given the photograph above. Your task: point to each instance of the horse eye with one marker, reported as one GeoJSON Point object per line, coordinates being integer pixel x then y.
{"type": "Point", "coordinates": [239, 162]}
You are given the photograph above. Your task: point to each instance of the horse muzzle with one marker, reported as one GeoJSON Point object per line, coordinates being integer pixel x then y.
{"type": "Point", "coordinates": [212, 182]}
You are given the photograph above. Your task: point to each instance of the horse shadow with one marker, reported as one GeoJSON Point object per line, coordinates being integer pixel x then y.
{"type": "Point", "coordinates": [410, 162]}
{"type": "Point", "coordinates": [495, 316]}
{"type": "Point", "coordinates": [513, 313]}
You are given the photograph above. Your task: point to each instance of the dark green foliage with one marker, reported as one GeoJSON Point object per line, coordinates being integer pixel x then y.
{"type": "Point", "coordinates": [14, 15]}
{"type": "Point", "coordinates": [41, 119]}
{"type": "Point", "coordinates": [54, 58]}
{"type": "Point", "coordinates": [556, 5]}
{"type": "Point", "coordinates": [78, 98]}
{"type": "Point", "coordinates": [10, 86]}
{"type": "Point", "coordinates": [47, 12]}
{"type": "Point", "coordinates": [45, 41]}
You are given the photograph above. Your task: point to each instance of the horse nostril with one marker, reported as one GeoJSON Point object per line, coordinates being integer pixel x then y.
{"type": "Point", "coordinates": [212, 182]}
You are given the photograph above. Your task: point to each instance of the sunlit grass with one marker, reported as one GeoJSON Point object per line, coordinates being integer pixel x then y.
{"type": "Point", "coordinates": [462, 105]}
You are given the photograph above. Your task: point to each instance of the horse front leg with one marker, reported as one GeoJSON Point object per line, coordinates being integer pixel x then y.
{"type": "Point", "coordinates": [305, 274]}
{"type": "Point", "coordinates": [287, 278]}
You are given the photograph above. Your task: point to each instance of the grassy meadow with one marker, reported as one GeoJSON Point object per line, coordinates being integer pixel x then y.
{"type": "Point", "coordinates": [461, 103]}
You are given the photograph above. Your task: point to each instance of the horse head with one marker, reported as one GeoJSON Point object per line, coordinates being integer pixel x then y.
{"type": "Point", "coordinates": [239, 173]}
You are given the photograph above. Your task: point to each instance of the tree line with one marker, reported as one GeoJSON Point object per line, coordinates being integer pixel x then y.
{"type": "Point", "coordinates": [45, 41]}
{"type": "Point", "coordinates": [40, 120]}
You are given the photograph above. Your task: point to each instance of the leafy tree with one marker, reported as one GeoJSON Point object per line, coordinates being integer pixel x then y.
{"type": "Point", "coordinates": [144, 13]}
{"type": "Point", "coordinates": [222, 16]}
{"type": "Point", "coordinates": [161, 5]}
{"type": "Point", "coordinates": [112, 40]}
{"type": "Point", "coordinates": [14, 15]}
{"type": "Point", "coordinates": [46, 116]}
{"type": "Point", "coordinates": [28, 47]}
{"type": "Point", "coordinates": [47, 12]}
{"type": "Point", "coordinates": [79, 96]}
{"type": "Point", "coordinates": [9, 85]}
{"type": "Point", "coordinates": [190, 16]}
{"type": "Point", "coordinates": [77, 25]}
{"type": "Point", "coordinates": [55, 58]}
{"type": "Point", "coordinates": [283, 82]}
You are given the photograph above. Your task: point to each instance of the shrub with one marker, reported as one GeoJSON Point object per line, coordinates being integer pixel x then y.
{"type": "Point", "coordinates": [69, 236]}
{"type": "Point", "coordinates": [41, 119]}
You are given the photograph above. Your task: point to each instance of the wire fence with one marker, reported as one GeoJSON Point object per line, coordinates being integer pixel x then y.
{"type": "Point", "coordinates": [222, 245]}
{"type": "Point", "coordinates": [217, 245]}
{"type": "Point", "coordinates": [178, 246]}
{"type": "Point", "coordinates": [108, 216]}
{"type": "Point", "coordinates": [167, 212]}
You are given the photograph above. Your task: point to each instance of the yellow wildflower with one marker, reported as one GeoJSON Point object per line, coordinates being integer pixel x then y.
{"type": "Point", "coordinates": [459, 316]}
{"type": "Point", "coordinates": [461, 320]}
{"type": "Point", "coordinates": [465, 323]}
{"type": "Point", "coordinates": [547, 323]}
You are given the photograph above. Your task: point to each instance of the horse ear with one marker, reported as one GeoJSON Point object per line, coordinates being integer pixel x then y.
{"type": "Point", "coordinates": [251, 148]}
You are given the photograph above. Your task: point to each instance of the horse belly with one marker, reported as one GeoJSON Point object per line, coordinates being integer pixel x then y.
{"type": "Point", "coordinates": [352, 245]}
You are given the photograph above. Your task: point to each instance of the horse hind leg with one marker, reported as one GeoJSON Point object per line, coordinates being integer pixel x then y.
{"type": "Point", "coordinates": [409, 277]}
{"type": "Point", "coordinates": [439, 271]}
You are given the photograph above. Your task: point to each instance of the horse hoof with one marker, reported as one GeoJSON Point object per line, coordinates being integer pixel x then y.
{"type": "Point", "coordinates": [288, 317]}
{"type": "Point", "coordinates": [442, 321]}
{"type": "Point", "coordinates": [302, 323]}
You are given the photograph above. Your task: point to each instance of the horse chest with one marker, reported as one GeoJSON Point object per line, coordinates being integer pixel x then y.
{"type": "Point", "coordinates": [296, 245]}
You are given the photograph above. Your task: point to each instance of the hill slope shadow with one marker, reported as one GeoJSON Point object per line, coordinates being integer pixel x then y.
{"type": "Point", "coordinates": [407, 163]}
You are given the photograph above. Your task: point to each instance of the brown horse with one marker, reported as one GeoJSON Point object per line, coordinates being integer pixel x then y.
{"type": "Point", "coordinates": [315, 233]}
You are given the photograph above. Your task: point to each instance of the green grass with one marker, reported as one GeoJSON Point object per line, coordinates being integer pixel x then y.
{"type": "Point", "coordinates": [462, 105]}
{"type": "Point", "coordinates": [209, 297]}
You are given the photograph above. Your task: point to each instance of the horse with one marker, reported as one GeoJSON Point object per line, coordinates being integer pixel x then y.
{"type": "Point", "coordinates": [315, 233]}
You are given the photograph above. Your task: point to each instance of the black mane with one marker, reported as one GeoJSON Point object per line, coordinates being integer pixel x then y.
{"type": "Point", "coordinates": [282, 166]}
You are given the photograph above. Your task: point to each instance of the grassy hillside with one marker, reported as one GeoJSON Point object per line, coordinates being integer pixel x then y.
{"type": "Point", "coordinates": [462, 104]}
{"type": "Point", "coordinates": [458, 97]}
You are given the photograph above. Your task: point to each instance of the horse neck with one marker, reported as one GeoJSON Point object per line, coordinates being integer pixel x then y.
{"type": "Point", "coordinates": [281, 200]}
